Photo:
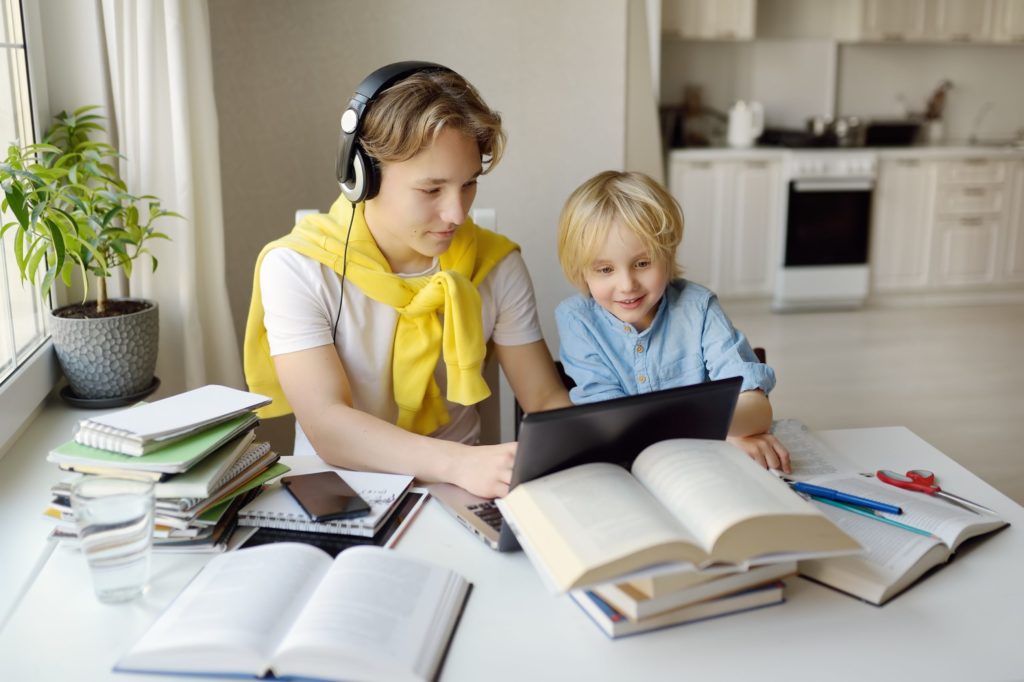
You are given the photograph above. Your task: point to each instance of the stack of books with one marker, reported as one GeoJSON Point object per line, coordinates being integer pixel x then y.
{"type": "Point", "coordinates": [660, 601]}
{"type": "Point", "coordinates": [198, 448]}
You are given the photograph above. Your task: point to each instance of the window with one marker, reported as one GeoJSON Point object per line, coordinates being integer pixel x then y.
{"type": "Point", "coordinates": [22, 311]}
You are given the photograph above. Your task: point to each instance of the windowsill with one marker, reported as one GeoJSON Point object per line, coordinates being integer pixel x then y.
{"type": "Point", "coordinates": [25, 480]}
{"type": "Point", "coordinates": [23, 393]}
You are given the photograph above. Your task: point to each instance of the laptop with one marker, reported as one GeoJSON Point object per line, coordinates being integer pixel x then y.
{"type": "Point", "coordinates": [609, 431]}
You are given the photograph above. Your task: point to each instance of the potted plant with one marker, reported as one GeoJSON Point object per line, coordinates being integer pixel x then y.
{"type": "Point", "coordinates": [74, 216]}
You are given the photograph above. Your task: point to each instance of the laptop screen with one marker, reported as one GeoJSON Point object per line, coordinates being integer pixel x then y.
{"type": "Point", "coordinates": [618, 430]}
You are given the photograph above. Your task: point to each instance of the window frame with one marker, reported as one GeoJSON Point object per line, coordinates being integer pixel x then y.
{"type": "Point", "coordinates": [23, 391]}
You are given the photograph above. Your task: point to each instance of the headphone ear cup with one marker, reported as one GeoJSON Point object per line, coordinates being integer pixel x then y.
{"type": "Point", "coordinates": [372, 176]}
{"type": "Point", "coordinates": [355, 189]}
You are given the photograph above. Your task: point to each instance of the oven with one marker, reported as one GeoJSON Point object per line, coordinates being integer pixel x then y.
{"type": "Point", "coordinates": [824, 261]}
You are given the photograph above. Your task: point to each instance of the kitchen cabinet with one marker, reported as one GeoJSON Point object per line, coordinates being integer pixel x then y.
{"type": "Point", "coordinates": [732, 212]}
{"type": "Point", "coordinates": [947, 224]}
{"type": "Point", "coordinates": [901, 225]}
{"type": "Point", "coordinates": [1013, 267]}
{"type": "Point", "coordinates": [959, 20]}
{"type": "Point", "coordinates": [709, 19]}
{"type": "Point", "coordinates": [893, 20]}
{"type": "Point", "coordinates": [971, 217]}
{"type": "Point", "coordinates": [1008, 21]}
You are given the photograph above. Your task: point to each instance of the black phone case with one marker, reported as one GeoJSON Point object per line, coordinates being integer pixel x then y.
{"type": "Point", "coordinates": [325, 496]}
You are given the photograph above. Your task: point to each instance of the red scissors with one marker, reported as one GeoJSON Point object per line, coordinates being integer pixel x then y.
{"type": "Point", "coordinates": [924, 482]}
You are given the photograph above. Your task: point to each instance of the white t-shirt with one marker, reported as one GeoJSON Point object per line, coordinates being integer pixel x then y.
{"type": "Point", "coordinates": [300, 302]}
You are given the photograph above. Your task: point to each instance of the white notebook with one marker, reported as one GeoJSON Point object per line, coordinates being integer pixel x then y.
{"type": "Point", "coordinates": [144, 428]}
{"type": "Point", "coordinates": [276, 508]}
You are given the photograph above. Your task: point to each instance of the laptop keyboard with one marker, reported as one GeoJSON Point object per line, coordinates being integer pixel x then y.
{"type": "Point", "coordinates": [488, 512]}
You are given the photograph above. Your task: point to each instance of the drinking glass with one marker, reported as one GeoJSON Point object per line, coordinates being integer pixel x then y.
{"type": "Point", "coordinates": [115, 529]}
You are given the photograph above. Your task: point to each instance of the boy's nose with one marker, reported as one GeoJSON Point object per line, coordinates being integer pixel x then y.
{"type": "Point", "coordinates": [455, 210]}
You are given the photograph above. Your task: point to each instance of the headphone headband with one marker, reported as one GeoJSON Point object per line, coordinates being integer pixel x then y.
{"type": "Point", "coordinates": [357, 173]}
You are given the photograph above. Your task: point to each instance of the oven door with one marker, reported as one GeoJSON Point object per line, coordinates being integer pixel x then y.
{"type": "Point", "coordinates": [828, 222]}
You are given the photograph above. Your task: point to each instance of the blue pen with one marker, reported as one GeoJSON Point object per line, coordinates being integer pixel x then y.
{"type": "Point", "coordinates": [838, 496]}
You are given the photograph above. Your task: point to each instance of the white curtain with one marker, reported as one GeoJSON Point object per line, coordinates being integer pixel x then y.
{"type": "Point", "coordinates": [165, 122]}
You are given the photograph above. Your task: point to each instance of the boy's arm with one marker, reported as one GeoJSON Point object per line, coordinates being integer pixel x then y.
{"type": "Point", "coordinates": [583, 361]}
{"type": "Point", "coordinates": [749, 431]}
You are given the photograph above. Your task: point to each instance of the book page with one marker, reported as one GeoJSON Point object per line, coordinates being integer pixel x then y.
{"type": "Point", "coordinates": [710, 486]}
{"type": "Point", "coordinates": [233, 614]}
{"type": "Point", "coordinates": [809, 457]}
{"type": "Point", "coordinates": [593, 514]}
{"type": "Point", "coordinates": [952, 524]}
{"type": "Point", "coordinates": [375, 615]}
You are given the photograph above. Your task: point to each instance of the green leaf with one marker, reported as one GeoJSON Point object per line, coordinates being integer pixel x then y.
{"type": "Point", "coordinates": [57, 239]}
{"type": "Point", "coordinates": [16, 202]}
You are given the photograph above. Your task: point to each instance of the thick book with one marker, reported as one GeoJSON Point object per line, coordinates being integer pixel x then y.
{"type": "Point", "coordinates": [894, 558]}
{"type": "Point", "coordinates": [636, 605]}
{"type": "Point", "coordinates": [687, 503]}
{"type": "Point", "coordinates": [615, 624]}
{"type": "Point", "coordinates": [290, 611]}
{"type": "Point", "coordinates": [173, 459]}
{"type": "Point", "coordinates": [276, 508]}
{"type": "Point", "coordinates": [149, 427]}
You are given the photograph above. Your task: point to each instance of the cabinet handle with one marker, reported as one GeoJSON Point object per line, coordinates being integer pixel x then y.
{"type": "Point", "coordinates": [974, 192]}
{"type": "Point", "coordinates": [962, 37]}
{"type": "Point", "coordinates": [971, 222]}
{"type": "Point", "coordinates": [756, 164]}
{"type": "Point", "coordinates": [908, 163]}
{"type": "Point", "coordinates": [699, 165]}
{"type": "Point", "coordinates": [892, 36]}
{"type": "Point", "coordinates": [976, 162]}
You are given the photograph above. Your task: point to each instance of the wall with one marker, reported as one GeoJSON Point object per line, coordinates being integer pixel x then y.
{"type": "Point", "coordinates": [284, 70]}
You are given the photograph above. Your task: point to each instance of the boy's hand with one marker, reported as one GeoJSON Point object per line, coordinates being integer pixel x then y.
{"type": "Point", "coordinates": [765, 449]}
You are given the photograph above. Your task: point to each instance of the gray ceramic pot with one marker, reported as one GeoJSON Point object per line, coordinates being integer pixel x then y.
{"type": "Point", "coordinates": [109, 357]}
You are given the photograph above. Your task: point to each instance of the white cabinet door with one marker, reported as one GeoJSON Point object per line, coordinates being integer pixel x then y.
{"type": "Point", "coordinates": [695, 185]}
{"type": "Point", "coordinates": [732, 211]}
{"type": "Point", "coordinates": [893, 20]}
{"type": "Point", "coordinates": [1013, 269]}
{"type": "Point", "coordinates": [750, 249]}
{"type": "Point", "coordinates": [901, 226]}
{"type": "Point", "coordinates": [966, 251]}
{"type": "Point", "coordinates": [1008, 22]}
{"type": "Point", "coordinates": [709, 19]}
{"type": "Point", "coordinates": [959, 20]}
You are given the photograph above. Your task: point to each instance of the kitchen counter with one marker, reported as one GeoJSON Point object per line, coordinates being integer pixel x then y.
{"type": "Point", "coordinates": [944, 151]}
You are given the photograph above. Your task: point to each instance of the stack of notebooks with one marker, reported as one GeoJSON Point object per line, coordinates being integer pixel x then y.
{"type": "Point", "coordinates": [199, 449]}
{"type": "Point", "coordinates": [660, 601]}
{"type": "Point", "coordinates": [278, 517]}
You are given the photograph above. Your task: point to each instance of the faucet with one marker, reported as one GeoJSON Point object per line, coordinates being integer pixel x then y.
{"type": "Point", "coordinates": [978, 118]}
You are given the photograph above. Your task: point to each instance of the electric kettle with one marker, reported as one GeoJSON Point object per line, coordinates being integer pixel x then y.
{"type": "Point", "coordinates": [746, 123]}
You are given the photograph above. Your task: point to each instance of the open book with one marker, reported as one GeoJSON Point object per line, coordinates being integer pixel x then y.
{"type": "Point", "coordinates": [289, 610]}
{"type": "Point", "coordinates": [894, 558]}
{"type": "Point", "coordinates": [688, 502]}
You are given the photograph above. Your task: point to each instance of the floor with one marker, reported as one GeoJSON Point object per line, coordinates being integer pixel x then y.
{"type": "Point", "coordinates": [953, 375]}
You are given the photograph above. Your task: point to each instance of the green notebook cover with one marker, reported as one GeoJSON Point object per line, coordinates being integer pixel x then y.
{"type": "Point", "coordinates": [213, 514]}
{"type": "Point", "coordinates": [173, 459]}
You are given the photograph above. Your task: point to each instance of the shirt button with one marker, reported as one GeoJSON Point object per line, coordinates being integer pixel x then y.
{"type": "Point", "coordinates": [641, 379]}
{"type": "Point", "coordinates": [626, 328]}
{"type": "Point", "coordinates": [639, 348]}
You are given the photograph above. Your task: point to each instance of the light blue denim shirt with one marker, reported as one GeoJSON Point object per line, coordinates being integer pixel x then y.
{"type": "Point", "coordinates": [690, 341]}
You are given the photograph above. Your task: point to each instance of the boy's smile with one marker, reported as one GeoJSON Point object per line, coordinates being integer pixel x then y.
{"type": "Point", "coordinates": [625, 280]}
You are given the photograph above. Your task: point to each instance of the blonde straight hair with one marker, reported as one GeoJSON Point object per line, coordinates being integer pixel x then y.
{"type": "Point", "coordinates": [634, 201]}
{"type": "Point", "coordinates": [406, 118]}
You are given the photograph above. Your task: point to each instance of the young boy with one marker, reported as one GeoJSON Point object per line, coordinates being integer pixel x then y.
{"type": "Point", "coordinates": [639, 327]}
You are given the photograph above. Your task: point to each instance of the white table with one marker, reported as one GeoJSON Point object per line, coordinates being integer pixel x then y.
{"type": "Point", "coordinates": [962, 622]}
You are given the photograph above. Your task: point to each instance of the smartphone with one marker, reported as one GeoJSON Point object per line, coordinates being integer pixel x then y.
{"type": "Point", "coordinates": [325, 496]}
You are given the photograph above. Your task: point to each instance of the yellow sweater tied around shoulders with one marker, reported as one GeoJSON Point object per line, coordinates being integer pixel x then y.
{"type": "Point", "coordinates": [419, 334]}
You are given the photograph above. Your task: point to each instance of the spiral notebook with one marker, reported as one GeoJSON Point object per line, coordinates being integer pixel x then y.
{"type": "Point", "coordinates": [144, 428]}
{"type": "Point", "coordinates": [276, 508]}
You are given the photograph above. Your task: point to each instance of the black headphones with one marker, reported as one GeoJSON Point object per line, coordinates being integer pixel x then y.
{"type": "Point", "coordinates": [358, 172]}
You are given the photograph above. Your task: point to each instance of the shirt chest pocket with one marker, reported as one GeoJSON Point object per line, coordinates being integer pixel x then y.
{"type": "Point", "coordinates": [683, 372]}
